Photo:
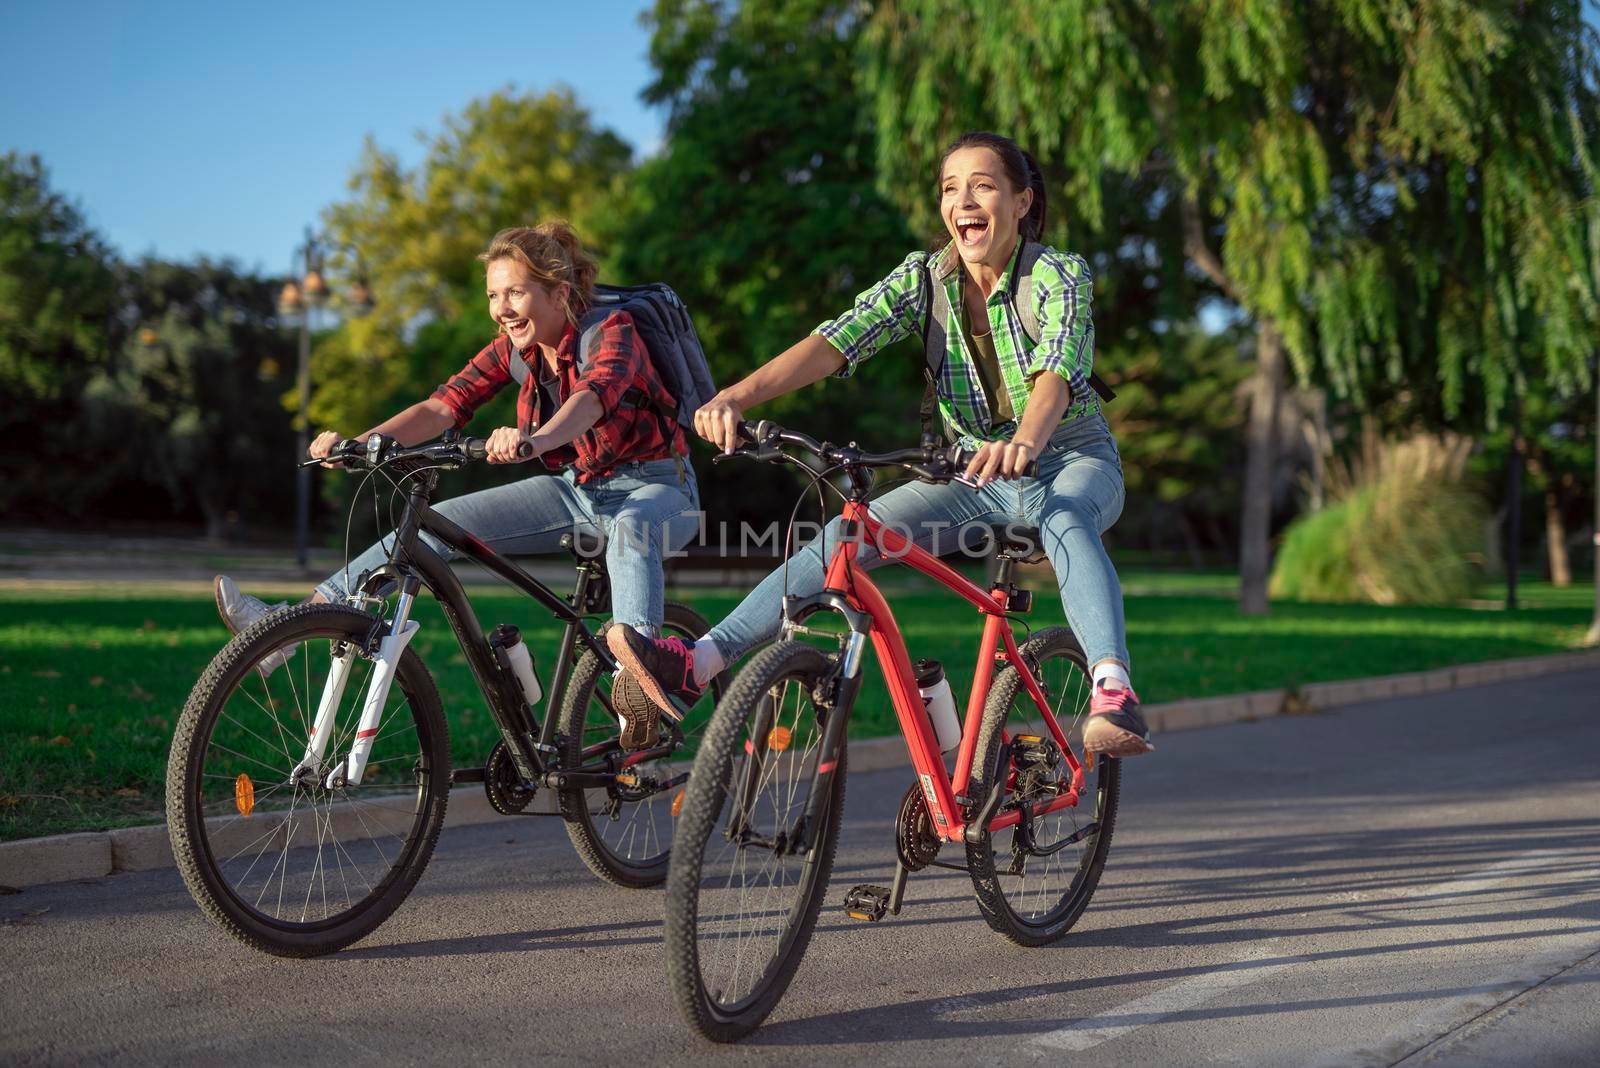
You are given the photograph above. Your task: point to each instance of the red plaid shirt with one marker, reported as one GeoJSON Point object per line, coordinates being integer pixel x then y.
{"type": "Point", "coordinates": [620, 375]}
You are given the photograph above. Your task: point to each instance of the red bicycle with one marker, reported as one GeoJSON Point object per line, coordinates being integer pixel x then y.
{"type": "Point", "coordinates": [759, 823]}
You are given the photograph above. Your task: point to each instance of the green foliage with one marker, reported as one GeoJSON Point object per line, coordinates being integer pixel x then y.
{"type": "Point", "coordinates": [1406, 191]}
{"type": "Point", "coordinates": [57, 293]}
{"type": "Point", "coordinates": [1409, 530]}
{"type": "Point", "coordinates": [761, 210]}
{"type": "Point", "coordinates": [189, 404]}
{"type": "Point", "coordinates": [415, 233]}
{"type": "Point", "coordinates": [1176, 419]}
{"type": "Point", "coordinates": [1317, 559]}
{"type": "Point", "coordinates": [56, 288]}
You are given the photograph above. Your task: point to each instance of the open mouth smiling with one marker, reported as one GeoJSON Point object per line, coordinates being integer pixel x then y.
{"type": "Point", "coordinates": [971, 228]}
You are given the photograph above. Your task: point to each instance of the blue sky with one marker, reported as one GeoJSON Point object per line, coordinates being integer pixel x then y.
{"type": "Point", "coordinates": [222, 129]}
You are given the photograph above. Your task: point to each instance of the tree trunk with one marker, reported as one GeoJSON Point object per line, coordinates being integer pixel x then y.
{"type": "Point", "coordinates": [1555, 539]}
{"type": "Point", "coordinates": [1261, 439]}
{"type": "Point", "coordinates": [1555, 523]}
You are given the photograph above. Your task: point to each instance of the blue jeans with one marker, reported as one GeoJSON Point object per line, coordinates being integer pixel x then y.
{"type": "Point", "coordinates": [1075, 498]}
{"type": "Point", "coordinates": [645, 509]}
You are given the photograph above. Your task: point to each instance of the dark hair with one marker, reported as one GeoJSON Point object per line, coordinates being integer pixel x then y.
{"type": "Point", "coordinates": [1022, 171]}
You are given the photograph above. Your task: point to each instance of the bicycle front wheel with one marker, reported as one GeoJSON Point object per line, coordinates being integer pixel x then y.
{"type": "Point", "coordinates": [271, 853]}
{"type": "Point", "coordinates": [1034, 879]}
{"type": "Point", "coordinates": [624, 832]}
{"type": "Point", "coordinates": [747, 875]}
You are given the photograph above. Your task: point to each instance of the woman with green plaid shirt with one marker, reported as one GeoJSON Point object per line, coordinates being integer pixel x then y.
{"type": "Point", "coordinates": [1011, 398]}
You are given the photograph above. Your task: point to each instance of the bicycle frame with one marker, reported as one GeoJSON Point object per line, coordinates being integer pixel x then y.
{"type": "Point", "coordinates": [848, 590]}
{"type": "Point", "coordinates": [416, 566]}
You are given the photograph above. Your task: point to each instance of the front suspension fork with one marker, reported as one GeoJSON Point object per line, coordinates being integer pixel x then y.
{"type": "Point", "coordinates": [349, 771]}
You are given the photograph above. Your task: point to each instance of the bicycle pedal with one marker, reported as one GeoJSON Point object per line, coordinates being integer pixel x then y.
{"type": "Point", "coordinates": [866, 903]}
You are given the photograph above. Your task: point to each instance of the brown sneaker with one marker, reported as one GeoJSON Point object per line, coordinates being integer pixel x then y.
{"type": "Point", "coordinates": [641, 719]}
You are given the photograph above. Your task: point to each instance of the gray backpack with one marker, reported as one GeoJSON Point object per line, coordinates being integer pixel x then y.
{"type": "Point", "coordinates": [669, 338]}
{"type": "Point", "coordinates": [935, 346]}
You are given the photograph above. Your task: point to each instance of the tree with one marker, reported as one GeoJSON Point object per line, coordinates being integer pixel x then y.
{"type": "Point", "coordinates": [57, 291]}
{"type": "Point", "coordinates": [1177, 419]}
{"type": "Point", "coordinates": [762, 211]}
{"type": "Point", "coordinates": [414, 234]}
{"type": "Point", "coordinates": [1390, 193]}
{"type": "Point", "coordinates": [189, 405]}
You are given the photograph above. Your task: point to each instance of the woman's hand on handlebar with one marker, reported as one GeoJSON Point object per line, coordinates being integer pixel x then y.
{"type": "Point", "coordinates": [718, 422]}
{"type": "Point", "coordinates": [322, 446]}
{"type": "Point", "coordinates": [1000, 459]}
{"type": "Point", "coordinates": [508, 445]}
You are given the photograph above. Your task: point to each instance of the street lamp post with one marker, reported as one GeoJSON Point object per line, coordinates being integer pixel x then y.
{"type": "Point", "coordinates": [302, 299]}
{"type": "Point", "coordinates": [1593, 637]}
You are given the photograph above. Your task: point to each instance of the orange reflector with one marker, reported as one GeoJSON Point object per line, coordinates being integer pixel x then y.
{"type": "Point", "coordinates": [244, 794]}
{"type": "Point", "coordinates": [627, 778]}
{"type": "Point", "coordinates": [677, 804]}
{"type": "Point", "coordinates": [1088, 760]}
{"type": "Point", "coordinates": [861, 916]}
{"type": "Point", "coordinates": [779, 738]}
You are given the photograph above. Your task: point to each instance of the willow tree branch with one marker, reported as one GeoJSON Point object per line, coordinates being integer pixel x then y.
{"type": "Point", "coordinates": [1195, 247]}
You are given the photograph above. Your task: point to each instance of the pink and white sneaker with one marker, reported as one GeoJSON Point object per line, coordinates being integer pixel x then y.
{"type": "Point", "coordinates": [1115, 728]}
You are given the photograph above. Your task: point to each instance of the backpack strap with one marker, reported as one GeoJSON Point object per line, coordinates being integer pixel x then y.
{"type": "Point", "coordinates": [589, 339]}
{"type": "Point", "coordinates": [1022, 294]}
{"type": "Point", "coordinates": [516, 364]}
{"type": "Point", "coordinates": [935, 348]}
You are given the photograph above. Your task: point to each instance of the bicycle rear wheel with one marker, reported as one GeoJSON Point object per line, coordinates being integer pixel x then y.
{"type": "Point", "coordinates": [624, 833]}
{"type": "Point", "coordinates": [1033, 880]}
{"type": "Point", "coordinates": [280, 861]}
{"type": "Point", "coordinates": [742, 900]}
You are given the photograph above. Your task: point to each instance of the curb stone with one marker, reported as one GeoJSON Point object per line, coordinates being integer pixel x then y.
{"type": "Point", "coordinates": [94, 854]}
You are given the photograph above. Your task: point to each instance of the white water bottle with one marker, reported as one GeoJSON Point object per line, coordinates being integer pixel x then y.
{"type": "Point", "coordinates": [939, 703]}
{"type": "Point", "coordinates": [509, 641]}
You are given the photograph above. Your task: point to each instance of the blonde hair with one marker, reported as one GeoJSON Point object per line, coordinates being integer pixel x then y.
{"type": "Point", "coordinates": [552, 252]}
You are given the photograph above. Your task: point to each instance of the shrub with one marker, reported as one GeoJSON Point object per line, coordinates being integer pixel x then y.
{"type": "Point", "coordinates": [1404, 529]}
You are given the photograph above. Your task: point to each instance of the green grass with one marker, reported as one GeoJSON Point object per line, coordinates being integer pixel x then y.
{"type": "Point", "coordinates": [91, 685]}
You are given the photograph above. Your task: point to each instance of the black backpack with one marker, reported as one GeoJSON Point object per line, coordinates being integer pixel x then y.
{"type": "Point", "coordinates": [669, 338]}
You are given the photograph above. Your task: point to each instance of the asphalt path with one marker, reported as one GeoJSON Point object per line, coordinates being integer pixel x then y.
{"type": "Point", "coordinates": [1408, 882]}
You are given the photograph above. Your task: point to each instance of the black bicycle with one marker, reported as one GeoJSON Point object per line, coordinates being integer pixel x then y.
{"type": "Point", "coordinates": [310, 768]}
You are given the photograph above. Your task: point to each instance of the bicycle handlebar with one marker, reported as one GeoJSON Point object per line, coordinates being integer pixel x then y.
{"type": "Point", "coordinates": [448, 451]}
{"type": "Point", "coordinates": [929, 462]}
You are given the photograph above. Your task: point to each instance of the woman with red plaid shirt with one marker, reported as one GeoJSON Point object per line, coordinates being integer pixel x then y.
{"type": "Point", "coordinates": [622, 464]}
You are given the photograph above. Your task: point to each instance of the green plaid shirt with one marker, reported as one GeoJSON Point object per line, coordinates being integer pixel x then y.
{"type": "Point", "coordinates": [896, 308]}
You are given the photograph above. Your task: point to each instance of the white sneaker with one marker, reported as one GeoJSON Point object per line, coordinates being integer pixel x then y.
{"type": "Point", "coordinates": [238, 610]}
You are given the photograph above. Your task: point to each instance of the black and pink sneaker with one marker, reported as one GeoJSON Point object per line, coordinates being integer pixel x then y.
{"type": "Point", "coordinates": [663, 668]}
{"type": "Point", "coordinates": [1115, 727]}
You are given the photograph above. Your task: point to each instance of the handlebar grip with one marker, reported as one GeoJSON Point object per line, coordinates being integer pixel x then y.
{"type": "Point", "coordinates": [758, 432]}
{"type": "Point", "coordinates": [475, 448]}
{"type": "Point", "coordinates": [524, 450]}
{"type": "Point", "coordinates": [960, 458]}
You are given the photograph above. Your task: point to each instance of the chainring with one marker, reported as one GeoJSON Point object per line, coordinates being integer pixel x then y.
{"type": "Point", "coordinates": [503, 783]}
{"type": "Point", "coordinates": [914, 836]}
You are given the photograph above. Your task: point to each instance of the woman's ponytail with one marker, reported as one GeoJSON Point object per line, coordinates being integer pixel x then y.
{"type": "Point", "coordinates": [1032, 226]}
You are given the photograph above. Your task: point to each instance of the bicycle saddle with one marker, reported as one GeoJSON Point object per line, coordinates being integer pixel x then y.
{"type": "Point", "coordinates": [1022, 543]}
{"type": "Point", "coordinates": [584, 544]}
